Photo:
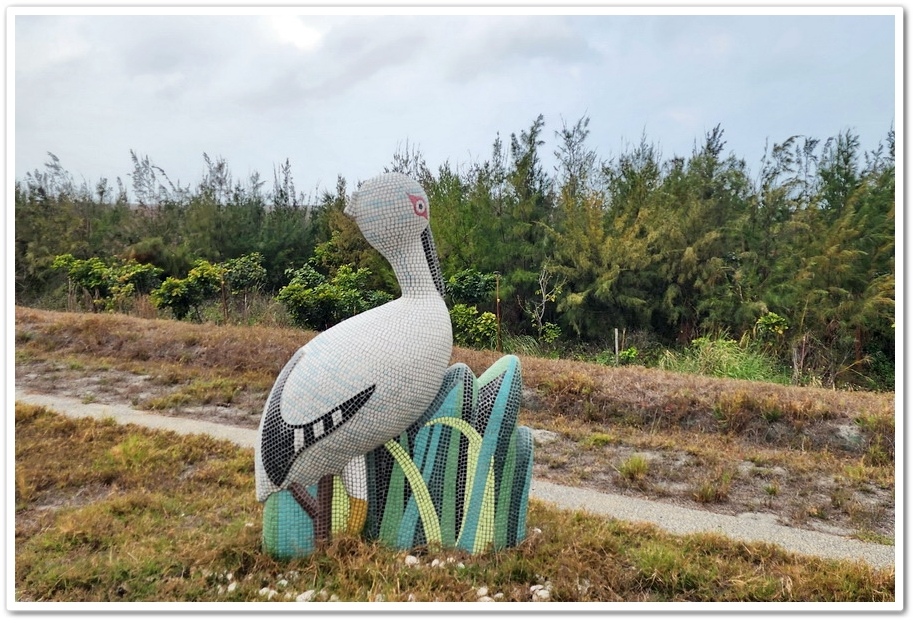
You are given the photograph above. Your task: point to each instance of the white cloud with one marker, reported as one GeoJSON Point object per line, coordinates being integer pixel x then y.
{"type": "Point", "coordinates": [291, 29]}
{"type": "Point", "coordinates": [46, 43]}
{"type": "Point", "coordinates": [496, 45]}
{"type": "Point", "coordinates": [689, 117]}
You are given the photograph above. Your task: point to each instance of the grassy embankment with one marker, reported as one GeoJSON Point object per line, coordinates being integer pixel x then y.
{"type": "Point", "coordinates": [158, 517]}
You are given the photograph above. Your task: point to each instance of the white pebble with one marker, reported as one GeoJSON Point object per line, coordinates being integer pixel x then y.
{"type": "Point", "coordinates": [333, 598]}
{"type": "Point", "coordinates": [269, 592]}
{"type": "Point", "coordinates": [498, 596]}
{"type": "Point", "coordinates": [484, 598]}
{"type": "Point", "coordinates": [541, 595]}
{"type": "Point", "coordinates": [282, 582]}
{"type": "Point", "coordinates": [232, 586]}
{"type": "Point", "coordinates": [410, 561]}
{"type": "Point", "coordinates": [482, 591]}
{"type": "Point", "coordinates": [435, 563]}
{"type": "Point", "coordinates": [308, 595]}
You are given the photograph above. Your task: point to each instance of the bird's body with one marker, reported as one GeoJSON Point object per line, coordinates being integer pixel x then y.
{"type": "Point", "coordinates": [352, 357]}
{"type": "Point", "coordinates": [365, 380]}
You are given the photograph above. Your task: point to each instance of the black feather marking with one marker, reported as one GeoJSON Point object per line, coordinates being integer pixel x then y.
{"type": "Point", "coordinates": [432, 260]}
{"type": "Point", "coordinates": [278, 443]}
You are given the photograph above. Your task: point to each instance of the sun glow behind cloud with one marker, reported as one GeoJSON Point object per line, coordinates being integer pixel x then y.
{"type": "Point", "coordinates": [292, 30]}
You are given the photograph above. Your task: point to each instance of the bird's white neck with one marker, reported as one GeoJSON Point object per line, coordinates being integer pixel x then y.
{"type": "Point", "coordinates": [412, 271]}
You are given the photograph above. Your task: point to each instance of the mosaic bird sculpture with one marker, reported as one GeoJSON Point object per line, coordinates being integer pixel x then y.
{"type": "Point", "coordinates": [365, 380]}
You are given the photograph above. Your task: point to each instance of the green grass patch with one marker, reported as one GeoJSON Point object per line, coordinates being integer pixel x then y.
{"type": "Point", "coordinates": [598, 440]}
{"type": "Point", "coordinates": [634, 468]}
{"type": "Point", "coordinates": [725, 358]}
{"type": "Point", "coordinates": [868, 536]}
{"type": "Point", "coordinates": [199, 391]}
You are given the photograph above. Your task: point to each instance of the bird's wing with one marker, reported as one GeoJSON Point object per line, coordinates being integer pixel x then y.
{"type": "Point", "coordinates": [282, 442]}
{"type": "Point", "coordinates": [323, 374]}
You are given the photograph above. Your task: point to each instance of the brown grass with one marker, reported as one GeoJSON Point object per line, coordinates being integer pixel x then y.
{"type": "Point", "coordinates": [630, 395]}
{"type": "Point", "coordinates": [656, 400]}
{"type": "Point", "coordinates": [697, 431]}
{"type": "Point", "coordinates": [235, 348]}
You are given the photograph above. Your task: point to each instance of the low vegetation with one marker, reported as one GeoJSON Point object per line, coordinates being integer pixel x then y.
{"type": "Point", "coordinates": [141, 516]}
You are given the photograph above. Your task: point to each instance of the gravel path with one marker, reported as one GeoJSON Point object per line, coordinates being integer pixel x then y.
{"type": "Point", "coordinates": [747, 527]}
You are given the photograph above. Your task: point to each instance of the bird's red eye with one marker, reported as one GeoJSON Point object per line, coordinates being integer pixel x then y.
{"type": "Point", "coordinates": [419, 205]}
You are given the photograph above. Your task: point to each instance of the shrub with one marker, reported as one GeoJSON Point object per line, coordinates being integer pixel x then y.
{"type": "Point", "coordinates": [623, 358]}
{"type": "Point", "coordinates": [184, 296]}
{"type": "Point", "coordinates": [770, 329]}
{"type": "Point", "coordinates": [549, 332]}
{"type": "Point", "coordinates": [627, 356]}
{"type": "Point", "coordinates": [470, 286]}
{"type": "Point", "coordinates": [314, 302]}
{"type": "Point", "coordinates": [472, 329]}
{"type": "Point", "coordinates": [245, 274]}
{"type": "Point", "coordinates": [109, 286]}
{"type": "Point", "coordinates": [173, 294]}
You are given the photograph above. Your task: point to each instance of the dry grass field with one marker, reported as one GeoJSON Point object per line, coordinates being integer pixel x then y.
{"type": "Point", "coordinates": [817, 458]}
{"type": "Point", "coordinates": [161, 517]}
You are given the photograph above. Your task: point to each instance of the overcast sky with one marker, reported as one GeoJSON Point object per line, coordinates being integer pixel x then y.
{"type": "Point", "coordinates": [340, 94]}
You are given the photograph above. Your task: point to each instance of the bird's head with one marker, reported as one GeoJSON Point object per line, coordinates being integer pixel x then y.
{"type": "Point", "coordinates": [392, 212]}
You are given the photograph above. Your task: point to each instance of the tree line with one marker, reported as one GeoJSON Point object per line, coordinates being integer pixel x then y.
{"type": "Point", "coordinates": [798, 258]}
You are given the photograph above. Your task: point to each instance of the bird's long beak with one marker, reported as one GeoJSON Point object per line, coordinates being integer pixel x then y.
{"type": "Point", "coordinates": [432, 260]}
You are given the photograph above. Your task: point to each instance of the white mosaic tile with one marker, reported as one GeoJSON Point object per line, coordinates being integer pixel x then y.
{"type": "Point", "coordinates": [366, 379]}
